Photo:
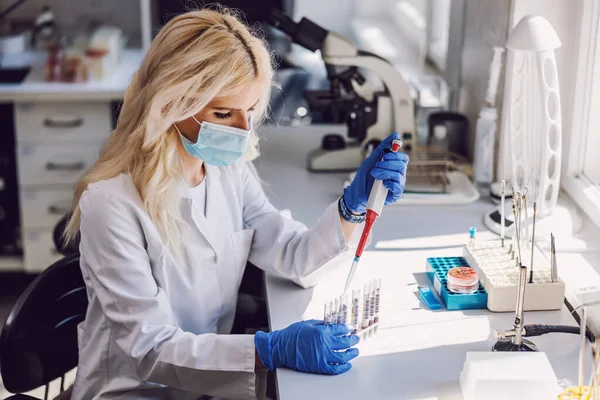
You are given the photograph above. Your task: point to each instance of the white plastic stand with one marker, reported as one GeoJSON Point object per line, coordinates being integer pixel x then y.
{"type": "Point", "coordinates": [499, 275]}
{"type": "Point", "coordinates": [508, 375]}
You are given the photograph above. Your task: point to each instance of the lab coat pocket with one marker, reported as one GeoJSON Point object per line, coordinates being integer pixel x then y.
{"type": "Point", "coordinates": [241, 243]}
{"type": "Point", "coordinates": [81, 342]}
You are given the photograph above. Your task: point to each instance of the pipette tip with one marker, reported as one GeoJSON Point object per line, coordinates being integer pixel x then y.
{"type": "Point", "coordinates": [351, 274]}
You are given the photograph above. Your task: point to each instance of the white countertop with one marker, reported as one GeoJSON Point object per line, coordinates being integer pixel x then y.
{"type": "Point", "coordinates": [35, 88]}
{"type": "Point", "coordinates": [418, 353]}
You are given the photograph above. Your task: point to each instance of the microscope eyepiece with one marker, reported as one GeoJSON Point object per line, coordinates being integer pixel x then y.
{"type": "Point", "coordinates": [282, 22]}
{"type": "Point", "coordinates": [305, 33]}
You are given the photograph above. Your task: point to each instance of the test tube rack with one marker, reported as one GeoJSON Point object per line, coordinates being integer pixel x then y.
{"type": "Point", "coordinates": [499, 275]}
{"type": "Point", "coordinates": [437, 269]}
{"type": "Point", "coordinates": [361, 311]}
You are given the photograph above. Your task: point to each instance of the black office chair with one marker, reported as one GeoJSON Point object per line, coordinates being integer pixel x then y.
{"type": "Point", "coordinates": [38, 343]}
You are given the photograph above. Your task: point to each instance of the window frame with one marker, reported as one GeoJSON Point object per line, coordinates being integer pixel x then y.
{"type": "Point", "coordinates": [585, 119]}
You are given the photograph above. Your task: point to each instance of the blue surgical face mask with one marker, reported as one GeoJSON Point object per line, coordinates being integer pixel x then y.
{"type": "Point", "coordinates": [217, 145]}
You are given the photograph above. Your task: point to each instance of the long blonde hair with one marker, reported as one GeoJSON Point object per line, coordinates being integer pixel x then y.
{"type": "Point", "coordinates": [195, 57]}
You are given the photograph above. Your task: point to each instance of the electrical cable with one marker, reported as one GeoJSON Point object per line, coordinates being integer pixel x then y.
{"type": "Point", "coordinates": [541, 329]}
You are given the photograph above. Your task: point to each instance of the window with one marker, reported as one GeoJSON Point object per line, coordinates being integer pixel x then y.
{"type": "Point", "coordinates": [410, 19]}
{"type": "Point", "coordinates": [426, 24]}
{"type": "Point", "coordinates": [439, 24]}
{"type": "Point", "coordinates": [406, 32]}
{"type": "Point", "coordinates": [582, 176]}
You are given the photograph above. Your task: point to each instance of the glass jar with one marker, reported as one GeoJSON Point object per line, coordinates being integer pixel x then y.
{"type": "Point", "coordinates": [54, 64]}
{"type": "Point", "coordinates": [463, 280]}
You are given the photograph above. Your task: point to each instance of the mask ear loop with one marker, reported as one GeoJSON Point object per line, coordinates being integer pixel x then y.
{"type": "Point", "coordinates": [180, 134]}
{"type": "Point", "coordinates": [178, 131]}
{"type": "Point", "coordinates": [198, 122]}
{"type": "Point", "coordinates": [176, 128]}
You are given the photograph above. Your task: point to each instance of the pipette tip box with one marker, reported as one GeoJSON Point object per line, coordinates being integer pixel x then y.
{"type": "Point", "coordinates": [499, 275]}
{"type": "Point", "coordinates": [437, 269]}
{"type": "Point", "coordinates": [508, 375]}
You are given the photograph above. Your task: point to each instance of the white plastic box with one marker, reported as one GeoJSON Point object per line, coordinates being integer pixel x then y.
{"type": "Point", "coordinates": [508, 375]}
{"type": "Point", "coordinates": [499, 275]}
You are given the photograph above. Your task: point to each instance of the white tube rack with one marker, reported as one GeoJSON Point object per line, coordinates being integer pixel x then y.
{"type": "Point", "coordinates": [499, 275]}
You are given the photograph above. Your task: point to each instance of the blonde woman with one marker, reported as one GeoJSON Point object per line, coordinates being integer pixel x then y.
{"type": "Point", "coordinates": [170, 214]}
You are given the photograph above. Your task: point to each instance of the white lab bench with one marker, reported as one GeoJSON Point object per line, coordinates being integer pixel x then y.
{"type": "Point", "coordinates": [418, 353]}
{"type": "Point", "coordinates": [59, 130]}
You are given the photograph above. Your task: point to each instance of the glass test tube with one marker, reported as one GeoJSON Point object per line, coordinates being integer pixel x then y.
{"type": "Point", "coordinates": [344, 312]}
{"type": "Point", "coordinates": [365, 311]}
{"type": "Point", "coordinates": [326, 314]}
{"type": "Point", "coordinates": [336, 312]}
{"type": "Point", "coordinates": [377, 300]}
{"type": "Point", "coordinates": [355, 308]}
{"type": "Point", "coordinates": [331, 312]}
{"type": "Point", "coordinates": [371, 303]}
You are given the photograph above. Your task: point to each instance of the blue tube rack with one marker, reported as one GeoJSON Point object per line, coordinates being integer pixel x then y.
{"type": "Point", "coordinates": [437, 268]}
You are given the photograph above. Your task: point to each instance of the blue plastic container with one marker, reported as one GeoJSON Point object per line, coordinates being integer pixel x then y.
{"type": "Point", "coordinates": [437, 269]}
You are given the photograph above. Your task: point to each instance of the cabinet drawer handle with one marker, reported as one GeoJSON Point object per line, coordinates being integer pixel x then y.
{"type": "Point", "coordinates": [58, 210]}
{"type": "Point", "coordinates": [76, 166]}
{"type": "Point", "coordinates": [73, 123]}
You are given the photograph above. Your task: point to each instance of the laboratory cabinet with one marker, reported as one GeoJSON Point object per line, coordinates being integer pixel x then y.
{"type": "Point", "coordinates": [56, 142]}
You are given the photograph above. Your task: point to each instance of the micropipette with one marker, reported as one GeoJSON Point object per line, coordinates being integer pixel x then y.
{"type": "Point", "coordinates": [374, 206]}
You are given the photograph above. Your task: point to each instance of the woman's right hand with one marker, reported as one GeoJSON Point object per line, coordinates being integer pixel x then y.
{"type": "Point", "coordinates": [308, 346]}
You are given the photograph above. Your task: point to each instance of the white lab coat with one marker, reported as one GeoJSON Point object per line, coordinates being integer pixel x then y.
{"type": "Point", "coordinates": [158, 328]}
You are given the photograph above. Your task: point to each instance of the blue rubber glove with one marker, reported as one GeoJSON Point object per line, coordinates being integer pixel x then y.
{"type": "Point", "coordinates": [389, 167]}
{"type": "Point", "coordinates": [308, 346]}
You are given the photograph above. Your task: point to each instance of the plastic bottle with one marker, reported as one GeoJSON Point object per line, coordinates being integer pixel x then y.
{"type": "Point", "coordinates": [472, 231]}
{"type": "Point", "coordinates": [485, 131]}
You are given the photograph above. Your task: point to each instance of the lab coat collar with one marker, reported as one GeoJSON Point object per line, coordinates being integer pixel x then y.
{"type": "Point", "coordinates": [186, 191]}
{"type": "Point", "coordinates": [208, 224]}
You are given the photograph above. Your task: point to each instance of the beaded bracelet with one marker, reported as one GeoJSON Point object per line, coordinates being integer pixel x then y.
{"type": "Point", "coordinates": [347, 215]}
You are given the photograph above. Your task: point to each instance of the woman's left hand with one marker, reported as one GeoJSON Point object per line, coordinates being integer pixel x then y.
{"type": "Point", "coordinates": [388, 167]}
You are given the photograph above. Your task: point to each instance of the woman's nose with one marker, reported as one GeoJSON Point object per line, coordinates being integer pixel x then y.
{"type": "Point", "coordinates": [243, 122]}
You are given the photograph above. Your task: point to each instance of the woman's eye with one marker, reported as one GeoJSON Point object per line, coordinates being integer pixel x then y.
{"type": "Point", "coordinates": [222, 115]}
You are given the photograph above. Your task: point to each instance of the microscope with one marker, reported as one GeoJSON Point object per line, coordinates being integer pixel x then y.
{"type": "Point", "coordinates": [370, 115]}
